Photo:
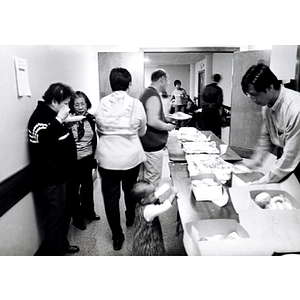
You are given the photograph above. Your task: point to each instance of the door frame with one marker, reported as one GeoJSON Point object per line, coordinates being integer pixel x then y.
{"type": "Point", "coordinates": [201, 85]}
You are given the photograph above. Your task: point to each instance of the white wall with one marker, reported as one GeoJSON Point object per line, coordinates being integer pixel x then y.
{"type": "Point", "coordinates": [181, 72]}
{"type": "Point", "coordinates": [192, 81]}
{"type": "Point", "coordinates": [76, 66]}
{"type": "Point", "coordinates": [222, 64]}
{"type": "Point", "coordinates": [206, 65]}
{"type": "Point", "coordinates": [282, 61]}
{"type": "Point", "coordinates": [20, 231]}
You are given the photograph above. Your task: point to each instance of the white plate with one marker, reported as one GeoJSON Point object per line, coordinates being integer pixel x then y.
{"type": "Point", "coordinates": [223, 200]}
{"type": "Point", "coordinates": [74, 118]}
{"type": "Point", "coordinates": [180, 116]}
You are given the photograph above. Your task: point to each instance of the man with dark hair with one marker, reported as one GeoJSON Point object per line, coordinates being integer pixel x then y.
{"type": "Point", "coordinates": [211, 106]}
{"type": "Point", "coordinates": [281, 127]}
{"type": "Point", "coordinates": [156, 136]}
{"type": "Point", "coordinates": [53, 154]}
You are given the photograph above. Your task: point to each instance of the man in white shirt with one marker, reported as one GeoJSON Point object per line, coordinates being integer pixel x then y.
{"type": "Point", "coordinates": [281, 127]}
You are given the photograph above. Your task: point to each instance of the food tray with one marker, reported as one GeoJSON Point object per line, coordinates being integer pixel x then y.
{"type": "Point", "coordinates": [274, 193]}
{"type": "Point", "coordinates": [206, 192]}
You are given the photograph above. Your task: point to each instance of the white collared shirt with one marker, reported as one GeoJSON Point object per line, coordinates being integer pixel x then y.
{"type": "Point", "coordinates": [281, 128]}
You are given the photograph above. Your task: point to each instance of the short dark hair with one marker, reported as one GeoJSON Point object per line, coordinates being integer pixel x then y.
{"type": "Point", "coordinates": [261, 77]}
{"type": "Point", "coordinates": [216, 77]}
{"type": "Point", "coordinates": [177, 81]}
{"type": "Point", "coordinates": [57, 91]}
{"type": "Point", "coordinates": [119, 79]}
{"type": "Point", "coordinates": [76, 95]}
{"type": "Point", "coordinates": [158, 74]}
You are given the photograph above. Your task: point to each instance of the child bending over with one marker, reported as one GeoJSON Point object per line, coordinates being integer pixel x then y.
{"type": "Point", "coordinates": [148, 238]}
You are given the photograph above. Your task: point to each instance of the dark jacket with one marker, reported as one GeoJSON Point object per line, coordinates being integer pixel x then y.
{"type": "Point", "coordinates": [92, 122]}
{"type": "Point", "coordinates": [213, 96]}
{"type": "Point", "coordinates": [51, 146]}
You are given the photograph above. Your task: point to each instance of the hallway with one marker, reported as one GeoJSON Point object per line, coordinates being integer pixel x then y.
{"type": "Point", "coordinates": [96, 239]}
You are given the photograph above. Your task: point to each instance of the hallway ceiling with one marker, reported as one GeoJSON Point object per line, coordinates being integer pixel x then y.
{"type": "Point", "coordinates": [163, 59]}
{"type": "Point", "coordinates": [181, 56]}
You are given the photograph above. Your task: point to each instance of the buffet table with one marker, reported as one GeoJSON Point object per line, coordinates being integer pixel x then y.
{"type": "Point", "coordinates": [176, 153]}
{"type": "Point", "coordinates": [266, 230]}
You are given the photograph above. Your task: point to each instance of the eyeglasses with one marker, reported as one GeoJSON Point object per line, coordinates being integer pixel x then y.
{"type": "Point", "coordinates": [167, 79]}
{"type": "Point", "coordinates": [250, 95]}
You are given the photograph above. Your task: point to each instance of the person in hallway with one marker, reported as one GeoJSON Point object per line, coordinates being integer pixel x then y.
{"type": "Point", "coordinates": [281, 123]}
{"type": "Point", "coordinates": [53, 157]}
{"type": "Point", "coordinates": [180, 98]}
{"type": "Point", "coordinates": [192, 110]}
{"type": "Point", "coordinates": [120, 121]}
{"type": "Point", "coordinates": [211, 106]}
{"type": "Point", "coordinates": [167, 105]}
{"type": "Point", "coordinates": [156, 136]}
{"type": "Point", "coordinates": [148, 238]}
{"type": "Point", "coordinates": [84, 133]}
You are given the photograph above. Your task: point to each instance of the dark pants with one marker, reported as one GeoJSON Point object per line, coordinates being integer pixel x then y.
{"type": "Point", "coordinates": [82, 190]}
{"type": "Point", "coordinates": [211, 120]}
{"type": "Point", "coordinates": [56, 216]}
{"type": "Point", "coordinates": [180, 108]}
{"type": "Point", "coordinates": [111, 181]}
{"type": "Point", "coordinates": [297, 172]}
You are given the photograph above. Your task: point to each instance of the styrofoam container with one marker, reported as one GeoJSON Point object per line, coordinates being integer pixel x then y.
{"type": "Point", "coordinates": [274, 193]}
{"type": "Point", "coordinates": [205, 192]}
{"type": "Point", "coordinates": [205, 229]}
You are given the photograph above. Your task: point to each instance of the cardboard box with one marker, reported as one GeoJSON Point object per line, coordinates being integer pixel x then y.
{"type": "Point", "coordinates": [273, 230]}
{"type": "Point", "coordinates": [244, 245]}
{"type": "Point", "coordinates": [240, 196]}
{"type": "Point", "coordinates": [274, 193]}
{"type": "Point", "coordinates": [205, 192]}
{"type": "Point", "coordinates": [241, 179]}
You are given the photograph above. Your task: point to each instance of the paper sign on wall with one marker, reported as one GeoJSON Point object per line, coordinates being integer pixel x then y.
{"type": "Point", "coordinates": [22, 77]}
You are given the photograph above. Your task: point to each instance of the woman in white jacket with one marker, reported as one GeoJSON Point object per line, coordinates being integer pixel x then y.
{"type": "Point", "coordinates": [120, 121]}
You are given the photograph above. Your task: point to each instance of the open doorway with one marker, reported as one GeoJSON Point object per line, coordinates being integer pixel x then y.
{"type": "Point", "coordinates": [186, 63]}
{"type": "Point", "coordinates": [201, 86]}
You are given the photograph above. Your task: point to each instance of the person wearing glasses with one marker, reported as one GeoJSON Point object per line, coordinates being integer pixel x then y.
{"type": "Point", "coordinates": [156, 135]}
{"type": "Point", "coordinates": [281, 123]}
{"type": "Point", "coordinates": [84, 133]}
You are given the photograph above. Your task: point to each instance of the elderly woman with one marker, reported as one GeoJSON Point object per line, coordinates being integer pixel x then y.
{"type": "Point", "coordinates": [84, 133]}
{"type": "Point", "coordinates": [120, 120]}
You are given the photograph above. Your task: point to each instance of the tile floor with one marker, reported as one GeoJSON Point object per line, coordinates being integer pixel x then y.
{"type": "Point", "coordinates": [96, 239]}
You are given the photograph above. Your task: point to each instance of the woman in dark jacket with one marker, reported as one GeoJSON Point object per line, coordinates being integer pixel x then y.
{"type": "Point", "coordinates": [86, 140]}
